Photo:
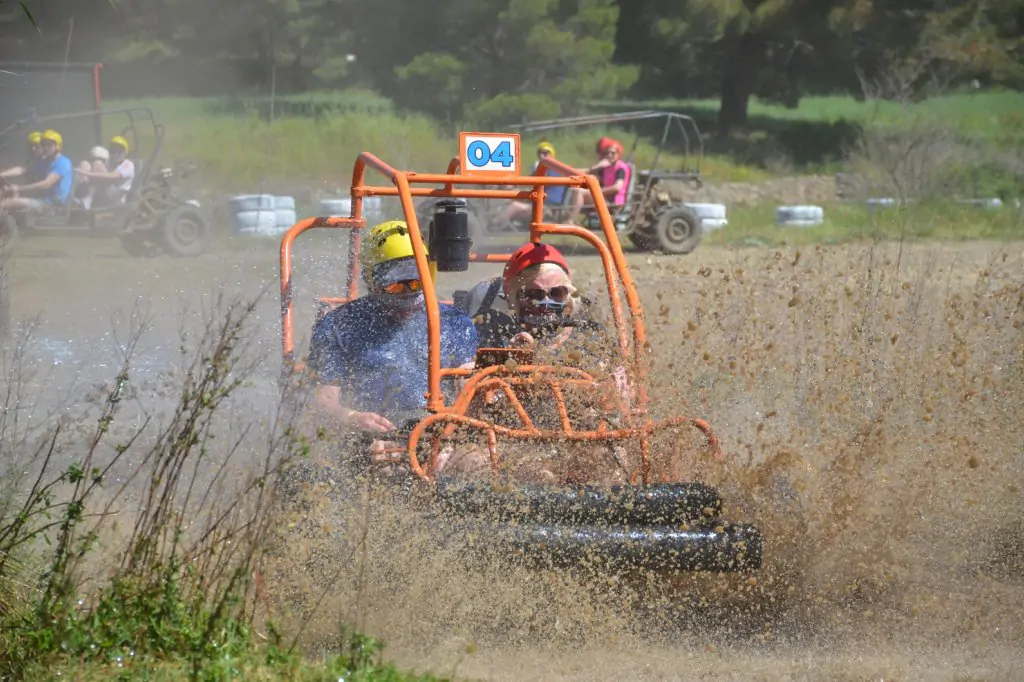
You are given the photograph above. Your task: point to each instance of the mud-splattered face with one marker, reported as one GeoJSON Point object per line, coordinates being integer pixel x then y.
{"type": "Point", "coordinates": [543, 295]}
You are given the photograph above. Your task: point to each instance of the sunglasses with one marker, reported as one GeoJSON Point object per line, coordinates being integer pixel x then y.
{"type": "Point", "coordinates": [407, 286]}
{"type": "Point", "coordinates": [556, 294]}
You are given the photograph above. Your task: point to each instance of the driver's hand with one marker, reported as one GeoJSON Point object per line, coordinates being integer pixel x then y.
{"type": "Point", "coordinates": [378, 450]}
{"type": "Point", "coordinates": [369, 422]}
{"type": "Point", "coordinates": [522, 340]}
{"type": "Point", "coordinates": [603, 163]}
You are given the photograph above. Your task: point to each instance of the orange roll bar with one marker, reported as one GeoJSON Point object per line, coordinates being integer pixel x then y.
{"type": "Point", "coordinates": [453, 186]}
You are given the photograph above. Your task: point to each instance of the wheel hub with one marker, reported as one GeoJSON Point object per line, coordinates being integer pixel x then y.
{"type": "Point", "coordinates": [186, 231]}
{"type": "Point", "coordinates": [678, 230]}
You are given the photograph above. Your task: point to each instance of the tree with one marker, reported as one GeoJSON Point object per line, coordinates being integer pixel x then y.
{"type": "Point", "coordinates": [733, 48]}
{"type": "Point", "coordinates": [495, 61]}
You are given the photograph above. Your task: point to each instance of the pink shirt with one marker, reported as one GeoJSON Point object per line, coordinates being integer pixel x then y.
{"type": "Point", "coordinates": [608, 178]}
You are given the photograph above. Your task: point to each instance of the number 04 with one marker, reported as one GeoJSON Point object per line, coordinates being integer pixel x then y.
{"type": "Point", "coordinates": [480, 154]}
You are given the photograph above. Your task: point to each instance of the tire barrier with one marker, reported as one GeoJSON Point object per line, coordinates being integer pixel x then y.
{"type": "Point", "coordinates": [877, 204]}
{"type": "Point", "coordinates": [713, 223]}
{"type": "Point", "coordinates": [991, 203]}
{"type": "Point", "coordinates": [372, 208]}
{"type": "Point", "coordinates": [262, 215]}
{"type": "Point", "coordinates": [708, 211]}
{"type": "Point", "coordinates": [799, 216]}
{"type": "Point", "coordinates": [712, 216]}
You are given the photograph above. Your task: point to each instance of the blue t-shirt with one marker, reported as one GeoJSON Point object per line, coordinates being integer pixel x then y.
{"type": "Point", "coordinates": [60, 192]}
{"type": "Point", "coordinates": [553, 194]}
{"type": "Point", "coordinates": [37, 169]}
{"type": "Point", "coordinates": [379, 361]}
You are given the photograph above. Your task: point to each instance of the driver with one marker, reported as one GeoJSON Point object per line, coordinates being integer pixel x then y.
{"type": "Point", "coordinates": [368, 357]}
{"type": "Point", "coordinates": [33, 168]}
{"type": "Point", "coordinates": [56, 178]}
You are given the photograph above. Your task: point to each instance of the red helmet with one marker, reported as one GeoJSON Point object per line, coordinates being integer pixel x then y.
{"type": "Point", "coordinates": [531, 254]}
{"type": "Point", "coordinates": [603, 143]}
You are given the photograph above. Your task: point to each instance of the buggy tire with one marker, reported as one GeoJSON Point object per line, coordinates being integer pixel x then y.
{"type": "Point", "coordinates": [678, 231]}
{"type": "Point", "coordinates": [650, 505]}
{"type": "Point", "coordinates": [138, 244]}
{"type": "Point", "coordinates": [644, 241]}
{"type": "Point", "coordinates": [184, 232]}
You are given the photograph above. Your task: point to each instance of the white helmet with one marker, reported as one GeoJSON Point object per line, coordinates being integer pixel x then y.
{"type": "Point", "coordinates": [99, 153]}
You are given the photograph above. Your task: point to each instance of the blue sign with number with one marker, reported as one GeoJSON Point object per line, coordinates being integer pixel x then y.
{"type": "Point", "coordinates": [490, 153]}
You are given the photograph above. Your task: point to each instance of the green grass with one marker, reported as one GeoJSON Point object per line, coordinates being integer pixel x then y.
{"type": "Point", "coordinates": [238, 149]}
{"type": "Point", "coordinates": [311, 145]}
{"type": "Point", "coordinates": [816, 135]}
{"type": "Point", "coordinates": [169, 595]}
{"type": "Point", "coordinates": [850, 223]}
{"type": "Point", "coordinates": [995, 116]}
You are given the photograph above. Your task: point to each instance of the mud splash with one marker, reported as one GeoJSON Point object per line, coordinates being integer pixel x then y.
{"type": "Point", "coordinates": [868, 400]}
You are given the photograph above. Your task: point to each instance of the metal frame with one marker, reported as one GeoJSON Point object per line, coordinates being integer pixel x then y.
{"type": "Point", "coordinates": [672, 120]}
{"type": "Point", "coordinates": [498, 378]}
{"type": "Point", "coordinates": [637, 199]}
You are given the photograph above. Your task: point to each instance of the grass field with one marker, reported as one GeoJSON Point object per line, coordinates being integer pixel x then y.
{"type": "Point", "coordinates": [313, 138]}
{"type": "Point", "coordinates": [817, 134]}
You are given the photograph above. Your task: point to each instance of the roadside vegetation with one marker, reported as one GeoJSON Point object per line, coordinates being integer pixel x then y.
{"type": "Point", "coordinates": [130, 550]}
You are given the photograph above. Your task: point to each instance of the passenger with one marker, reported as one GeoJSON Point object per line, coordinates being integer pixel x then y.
{"type": "Point", "coordinates": [544, 307]}
{"type": "Point", "coordinates": [115, 184]}
{"type": "Point", "coordinates": [97, 163]}
{"type": "Point", "coordinates": [33, 168]}
{"type": "Point", "coordinates": [368, 357]}
{"type": "Point", "coordinates": [613, 175]}
{"type": "Point", "coordinates": [554, 197]}
{"type": "Point", "coordinates": [547, 317]}
{"type": "Point", "coordinates": [54, 185]}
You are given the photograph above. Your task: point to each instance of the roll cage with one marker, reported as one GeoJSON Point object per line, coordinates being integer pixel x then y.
{"type": "Point", "coordinates": [455, 183]}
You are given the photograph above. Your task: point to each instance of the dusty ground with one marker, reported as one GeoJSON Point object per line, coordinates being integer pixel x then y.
{"type": "Point", "coordinates": [880, 388]}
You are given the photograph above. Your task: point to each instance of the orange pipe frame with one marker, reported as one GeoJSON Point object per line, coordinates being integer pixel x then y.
{"type": "Point", "coordinates": [610, 251]}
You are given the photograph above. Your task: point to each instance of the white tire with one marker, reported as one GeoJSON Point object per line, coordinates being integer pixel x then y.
{"type": "Point", "coordinates": [334, 207]}
{"type": "Point", "coordinates": [252, 202]}
{"type": "Point", "coordinates": [713, 223]}
{"type": "Point", "coordinates": [284, 203]}
{"type": "Point", "coordinates": [709, 211]}
{"type": "Point", "coordinates": [992, 203]}
{"type": "Point", "coordinates": [285, 218]}
{"type": "Point", "coordinates": [799, 215]}
{"type": "Point", "coordinates": [254, 222]}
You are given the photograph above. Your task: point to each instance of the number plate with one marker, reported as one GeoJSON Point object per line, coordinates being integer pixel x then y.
{"type": "Point", "coordinates": [489, 153]}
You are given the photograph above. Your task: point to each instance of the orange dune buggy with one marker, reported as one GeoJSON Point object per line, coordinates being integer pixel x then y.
{"type": "Point", "coordinates": [658, 525]}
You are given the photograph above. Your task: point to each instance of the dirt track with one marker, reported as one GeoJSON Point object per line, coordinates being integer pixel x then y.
{"type": "Point", "coordinates": [883, 388]}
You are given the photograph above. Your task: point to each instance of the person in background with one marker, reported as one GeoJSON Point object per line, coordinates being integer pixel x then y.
{"type": "Point", "coordinates": [613, 175]}
{"type": "Point", "coordinates": [55, 184]}
{"type": "Point", "coordinates": [554, 197]}
{"type": "Point", "coordinates": [84, 189]}
{"type": "Point", "coordinates": [114, 184]}
{"type": "Point", "coordinates": [34, 164]}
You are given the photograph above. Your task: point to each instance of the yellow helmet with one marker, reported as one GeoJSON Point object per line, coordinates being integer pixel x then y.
{"type": "Point", "coordinates": [546, 147]}
{"type": "Point", "coordinates": [55, 137]}
{"type": "Point", "coordinates": [387, 242]}
{"type": "Point", "coordinates": [119, 140]}
{"type": "Point", "coordinates": [35, 137]}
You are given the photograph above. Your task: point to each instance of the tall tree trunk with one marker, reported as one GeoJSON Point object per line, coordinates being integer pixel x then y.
{"type": "Point", "coordinates": [744, 59]}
